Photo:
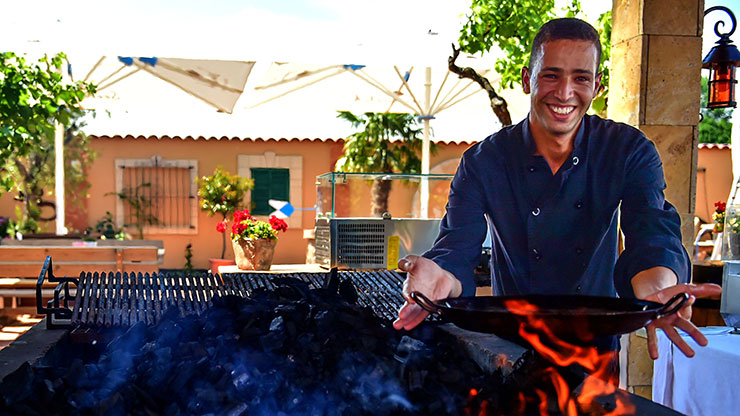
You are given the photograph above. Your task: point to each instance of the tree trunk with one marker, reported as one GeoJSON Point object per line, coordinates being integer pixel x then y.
{"type": "Point", "coordinates": [380, 192]}
{"type": "Point", "coordinates": [498, 103]}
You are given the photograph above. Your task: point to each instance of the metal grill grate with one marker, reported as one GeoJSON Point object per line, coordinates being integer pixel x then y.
{"type": "Point", "coordinates": [123, 299]}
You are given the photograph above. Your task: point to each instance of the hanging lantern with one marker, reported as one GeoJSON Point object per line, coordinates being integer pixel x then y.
{"type": "Point", "coordinates": [721, 62]}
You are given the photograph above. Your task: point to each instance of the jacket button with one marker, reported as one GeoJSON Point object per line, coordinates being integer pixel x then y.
{"type": "Point", "coordinates": [536, 253]}
{"type": "Point", "coordinates": [536, 212]}
{"type": "Point", "coordinates": [575, 160]}
{"type": "Point", "coordinates": [578, 288]}
{"type": "Point", "coordinates": [531, 168]}
{"type": "Point", "coordinates": [579, 204]}
{"type": "Point", "coordinates": [579, 250]}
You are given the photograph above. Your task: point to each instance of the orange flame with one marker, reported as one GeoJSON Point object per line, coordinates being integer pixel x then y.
{"type": "Point", "coordinates": [535, 331]}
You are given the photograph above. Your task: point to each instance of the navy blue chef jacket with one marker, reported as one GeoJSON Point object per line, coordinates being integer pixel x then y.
{"type": "Point", "coordinates": [557, 234]}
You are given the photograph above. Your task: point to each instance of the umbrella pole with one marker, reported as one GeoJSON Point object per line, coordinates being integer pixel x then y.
{"type": "Point", "coordinates": [59, 178]}
{"type": "Point", "coordinates": [424, 194]}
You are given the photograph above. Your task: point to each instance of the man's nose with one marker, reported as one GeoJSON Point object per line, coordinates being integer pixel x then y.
{"type": "Point", "coordinates": [564, 89]}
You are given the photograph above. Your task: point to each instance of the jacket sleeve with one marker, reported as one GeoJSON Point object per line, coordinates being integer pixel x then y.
{"type": "Point", "coordinates": [651, 225]}
{"type": "Point", "coordinates": [457, 248]}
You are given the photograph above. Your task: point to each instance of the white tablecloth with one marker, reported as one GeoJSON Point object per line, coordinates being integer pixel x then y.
{"type": "Point", "coordinates": [707, 384]}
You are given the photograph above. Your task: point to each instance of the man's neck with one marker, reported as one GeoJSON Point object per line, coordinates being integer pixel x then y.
{"type": "Point", "coordinates": [554, 148]}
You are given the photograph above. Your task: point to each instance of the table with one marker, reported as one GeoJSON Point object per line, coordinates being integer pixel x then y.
{"type": "Point", "coordinates": [706, 384]}
{"type": "Point", "coordinates": [278, 268]}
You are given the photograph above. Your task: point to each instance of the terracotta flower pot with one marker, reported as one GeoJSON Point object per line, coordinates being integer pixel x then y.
{"type": "Point", "coordinates": [216, 263]}
{"type": "Point", "coordinates": [254, 254]}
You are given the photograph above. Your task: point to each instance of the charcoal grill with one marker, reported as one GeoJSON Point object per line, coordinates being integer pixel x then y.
{"type": "Point", "coordinates": [124, 299]}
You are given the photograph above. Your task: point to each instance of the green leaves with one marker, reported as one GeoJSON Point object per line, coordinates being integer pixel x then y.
{"type": "Point", "coordinates": [372, 149]}
{"type": "Point", "coordinates": [715, 126]}
{"type": "Point", "coordinates": [223, 192]}
{"type": "Point", "coordinates": [511, 25]}
{"type": "Point", "coordinates": [33, 98]}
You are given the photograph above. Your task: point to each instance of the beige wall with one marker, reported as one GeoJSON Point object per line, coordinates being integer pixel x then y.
{"type": "Point", "coordinates": [317, 158]}
{"type": "Point", "coordinates": [713, 179]}
{"type": "Point", "coordinates": [210, 154]}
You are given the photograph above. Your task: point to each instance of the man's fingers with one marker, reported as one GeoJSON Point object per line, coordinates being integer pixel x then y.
{"type": "Point", "coordinates": [693, 331]}
{"type": "Point", "coordinates": [676, 338]}
{"type": "Point", "coordinates": [407, 263]}
{"type": "Point", "coordinates": [409, 316]}
{"type": "Point", "coordinates": [652, 341]}
{"type": "Point", "coordinates": [705, 289]}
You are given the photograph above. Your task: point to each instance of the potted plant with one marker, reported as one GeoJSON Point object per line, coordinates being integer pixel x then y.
{"type": "Point", "coordinates": [222, 193]}
{"type": "Point", "coordinates": [718, 216]}
{"type": "Point", "coordinates": [254, 240]}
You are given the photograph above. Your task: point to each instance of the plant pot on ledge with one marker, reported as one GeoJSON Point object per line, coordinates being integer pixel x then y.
{"type": "Point", "coordinates": [216, 263]}
{"type": "Point", "coordinates": [254, 254]}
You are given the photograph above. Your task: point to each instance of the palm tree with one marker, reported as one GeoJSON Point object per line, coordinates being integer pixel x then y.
{"type": "Point", "coordinates": [374, 150]}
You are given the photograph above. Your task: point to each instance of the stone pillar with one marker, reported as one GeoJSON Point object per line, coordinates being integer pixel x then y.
{"type": "Point", "coordinates": [655, 86]}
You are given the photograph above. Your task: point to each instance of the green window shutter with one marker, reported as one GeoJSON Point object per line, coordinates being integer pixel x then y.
{"type": "Point", "coordinates": [269, 184]}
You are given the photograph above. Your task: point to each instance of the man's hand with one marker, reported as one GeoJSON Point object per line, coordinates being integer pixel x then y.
{"type": "Point", "coordinates": [425, 276]}
{"type": "Point", "coordinates": [679, 319]}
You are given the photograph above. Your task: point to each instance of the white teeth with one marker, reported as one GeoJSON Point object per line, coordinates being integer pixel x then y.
{"type": "Point", "coordinates": [562, 110]}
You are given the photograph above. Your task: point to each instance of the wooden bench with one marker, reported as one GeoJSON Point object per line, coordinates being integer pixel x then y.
{"type": "Point", "coordinates": [20, 267]}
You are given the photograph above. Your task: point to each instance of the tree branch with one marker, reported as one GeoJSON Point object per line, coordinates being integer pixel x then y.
{"type": "Point", "coordinates": [498, 104]}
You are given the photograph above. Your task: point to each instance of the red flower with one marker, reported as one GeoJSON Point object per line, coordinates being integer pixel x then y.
{"type": "Point", "coordinates": [278, 224]}
{"type": "Point", "coordinates": [720, 206]}
{"type": "Point", "coordinates": [242, 215]}
{"type": "Point", "coordinates": [221, 227]}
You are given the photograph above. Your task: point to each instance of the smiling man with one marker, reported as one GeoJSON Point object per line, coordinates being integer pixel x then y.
{"type": "Point", "coordinates": [553, 192]}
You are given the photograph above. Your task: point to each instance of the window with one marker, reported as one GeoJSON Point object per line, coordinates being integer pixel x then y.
{"type": "Point", "coordinates": [157, 195]}
{"type": "Point", "coordinates": [273, 162]}
{"type": "Point", "coordinates": [269, 183]}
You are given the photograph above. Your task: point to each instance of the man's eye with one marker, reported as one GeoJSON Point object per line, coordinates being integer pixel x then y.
{"type": "Point", "coordinates": [548, 76]}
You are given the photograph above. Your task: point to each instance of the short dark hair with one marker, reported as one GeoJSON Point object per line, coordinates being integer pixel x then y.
{"type": "Point", "coordinates": [566, 28]}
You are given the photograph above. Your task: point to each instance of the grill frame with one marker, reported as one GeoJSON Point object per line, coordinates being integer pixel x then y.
{"type": "Point", "coordinates": [124, 299]}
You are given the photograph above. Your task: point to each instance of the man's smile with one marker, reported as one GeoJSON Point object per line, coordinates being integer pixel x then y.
{"type": "Point", "coordinates": [563, 110]}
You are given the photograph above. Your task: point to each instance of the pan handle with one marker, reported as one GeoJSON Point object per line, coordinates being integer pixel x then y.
{"type": "Point", "coordinates": [424, 302]}
{"type": "Point", "coordinates": [673, 305]}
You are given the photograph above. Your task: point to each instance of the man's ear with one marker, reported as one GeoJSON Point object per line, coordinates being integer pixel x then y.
{"type": "Point", "coordinates": [597, 84]}
{"type": "Point", "coordinates": [525, 80]}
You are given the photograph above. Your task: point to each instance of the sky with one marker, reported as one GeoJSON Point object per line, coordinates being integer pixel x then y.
{"type": "Point", "coordinates": [237, 29]}
{"type": "Point", "coordinates": [288, 30]}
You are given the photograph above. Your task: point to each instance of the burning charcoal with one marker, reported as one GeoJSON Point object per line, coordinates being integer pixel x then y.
{"type": "Point", "coordinates": [331, 284]}
{"type": "Point", "coordinates": [347, 291]}
{"type": "Point", "coordinates": [170, 314]}
{"type": "Point", "coordinates": [180, 376]}
{"type": "Point", "coordinates": [21, 409]}
{"type": "Point", "coordinates": [167, 333]}
{"type": "Point", "coordinates": [292, 289]}
{"type": "Point", "coordinates": [18, 385]}
{"type": "Point", "coordinates": [287, 351]}
{"type": "Point", "coordinates": [77, 373]}
{"type": "Point", "coordinates": [131, 340]}
{"type": "Point", "coordinates": [111, 406]}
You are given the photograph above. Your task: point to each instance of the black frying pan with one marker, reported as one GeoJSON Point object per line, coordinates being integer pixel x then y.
{"type": "Point", "coordinates": [571, 318]}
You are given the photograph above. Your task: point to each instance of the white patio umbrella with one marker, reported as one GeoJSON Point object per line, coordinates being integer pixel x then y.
{"type": "Point", "coordinates": [219, 83]}
{"type": "Point", "coordinates": [383, 88]}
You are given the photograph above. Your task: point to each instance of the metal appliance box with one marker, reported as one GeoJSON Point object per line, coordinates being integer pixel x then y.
{"type": "Point", "coordinates": [730, 304]}
{"type": "Point", "coordinates": [372, 243]}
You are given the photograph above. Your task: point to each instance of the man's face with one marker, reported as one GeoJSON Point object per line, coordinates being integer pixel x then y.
{"type": "Point", "coordinates": [562, 83]}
